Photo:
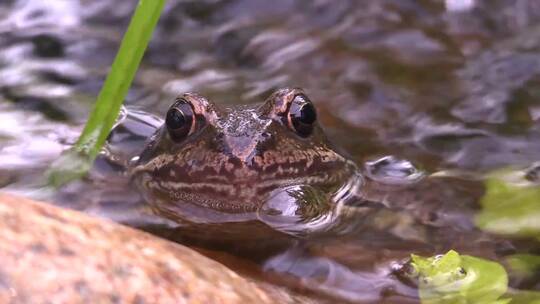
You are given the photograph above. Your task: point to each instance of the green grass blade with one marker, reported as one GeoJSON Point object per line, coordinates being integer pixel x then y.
{"type": "Point", "coordinates": [79, 158]}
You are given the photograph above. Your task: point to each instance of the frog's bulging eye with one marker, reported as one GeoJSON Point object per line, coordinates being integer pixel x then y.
{"type": "Point", "coordinates": [180, 120]}
{"type": "Point", "coordinates": [302, 115]}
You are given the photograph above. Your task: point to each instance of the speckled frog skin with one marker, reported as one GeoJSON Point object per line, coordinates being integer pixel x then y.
{"type": "Point", "coordinates": [268, 163]}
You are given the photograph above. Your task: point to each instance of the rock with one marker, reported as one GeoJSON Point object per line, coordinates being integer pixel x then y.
{"type": "Point", "coordinates": [53, 255]}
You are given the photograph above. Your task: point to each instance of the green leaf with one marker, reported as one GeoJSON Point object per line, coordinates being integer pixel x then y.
{"type": "Point", "coordinates": [78, 159]}
{"type": "Point", "coordinates": [511, 206]}
{"type": "Point", "coordinates": [524, 264]}
{"type": "Point", "coordinates": [524, 297]}
{"type": "Point", "coordinates": [454, 278]}
{"type": "Point", "coordinates": [438, 270]}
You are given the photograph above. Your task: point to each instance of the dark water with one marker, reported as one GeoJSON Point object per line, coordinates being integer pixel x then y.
{"type": "Point", "coordinates": [453, 90]}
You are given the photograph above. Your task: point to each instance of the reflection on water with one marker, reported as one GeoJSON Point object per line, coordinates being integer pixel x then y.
{"type": "Point", "coordinates": [446, 85]}
{"type": "Point", "coordinates": [459, 5]}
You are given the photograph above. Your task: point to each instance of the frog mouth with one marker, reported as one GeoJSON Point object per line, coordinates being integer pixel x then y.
{"type": "Point", "coordinates": [227, 173]}
{"type": "Point", "coordinates": [231, 190]}
{"type": "Point", "coordinates": [202, 203]}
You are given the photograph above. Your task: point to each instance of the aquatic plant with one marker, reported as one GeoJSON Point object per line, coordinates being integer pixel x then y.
{"type": "Point", "coordinates": [76, 161]}
{"type": "Point", "coordinates": [454, 278]}
{"type": "Point", "coordinates": [511, 205]}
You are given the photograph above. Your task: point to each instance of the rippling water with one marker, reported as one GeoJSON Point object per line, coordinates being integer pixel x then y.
{"type": "Point", "coordinates": [450, 86]}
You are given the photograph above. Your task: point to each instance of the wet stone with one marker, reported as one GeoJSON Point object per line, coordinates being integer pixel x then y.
{"type": "Point", "coordinates": [55, 265]}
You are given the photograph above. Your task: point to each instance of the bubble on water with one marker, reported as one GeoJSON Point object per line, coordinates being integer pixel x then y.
{"type": "Point", "coordinates": [297, 210]}
{"type": "Point", "coordinates": [391, 170]}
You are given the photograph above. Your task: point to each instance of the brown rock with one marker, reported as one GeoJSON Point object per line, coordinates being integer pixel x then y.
{"type": "Point", "coordinates": [53, 255]}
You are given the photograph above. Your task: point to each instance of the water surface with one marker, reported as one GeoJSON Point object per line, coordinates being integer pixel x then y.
{"type": "Point", "coordinates": [451, 89]}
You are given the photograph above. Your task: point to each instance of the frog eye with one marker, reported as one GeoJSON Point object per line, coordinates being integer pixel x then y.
{"type": "Point", "coordinates": [302, 115]}
{"type": "Point", "coordinates": [179, 120]}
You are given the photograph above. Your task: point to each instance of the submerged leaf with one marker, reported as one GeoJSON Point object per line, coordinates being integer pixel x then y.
{"type": "Point", "coordinates": [510, 206]}
{"type": "Point", "coordinates": [524, 264]}
{"type": "Point", "coordinates": [524, 297]}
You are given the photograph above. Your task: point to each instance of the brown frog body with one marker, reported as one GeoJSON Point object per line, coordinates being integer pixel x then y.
{"type": "Point", "coordinates": [267, 164]}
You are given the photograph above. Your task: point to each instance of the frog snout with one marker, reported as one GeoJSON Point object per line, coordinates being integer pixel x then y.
{"type": "Point", "coordinates": [241, 147]}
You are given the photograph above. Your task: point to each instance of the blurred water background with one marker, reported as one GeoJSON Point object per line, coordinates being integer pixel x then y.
{"type": "Point", "coordinates": [448, 85]}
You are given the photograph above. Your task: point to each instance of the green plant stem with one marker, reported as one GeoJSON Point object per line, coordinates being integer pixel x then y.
{"type": "Point", "coordinates": [118, 81]}
{"type": "Point", "coordinates": [78, 159]}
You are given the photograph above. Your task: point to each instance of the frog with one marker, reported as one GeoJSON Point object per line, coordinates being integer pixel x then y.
{"type": "Point", "coordinates": [268, 171]}
{"type": "Point", "coordinates": [248, 171]}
